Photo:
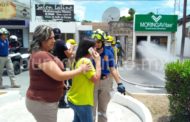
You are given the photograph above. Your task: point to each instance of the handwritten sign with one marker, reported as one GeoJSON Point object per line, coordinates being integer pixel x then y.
{"type": "Point", "coordinates": [55, 12]}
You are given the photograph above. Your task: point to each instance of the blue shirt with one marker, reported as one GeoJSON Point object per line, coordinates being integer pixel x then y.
{"type": "Point", "coordinates": [4, 47]}
{"type": "Point", "coordinates": [107, 61]}
{"type": "Point", "coordinates": [110, 48]}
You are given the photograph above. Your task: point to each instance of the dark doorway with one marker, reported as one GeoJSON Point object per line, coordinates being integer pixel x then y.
{"type": "Point", "coordinates": [138, 40]}
{"type": "Point", "coordinates": [141, 38]}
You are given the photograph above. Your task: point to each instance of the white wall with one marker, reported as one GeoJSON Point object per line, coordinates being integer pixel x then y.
{"type": "Point", "coordinates": [178, 42]}
{"type": "Point", "coordinates": [25, 37]}
{"type": "Point", "coordinates": [84, 27]}
{"type": "Point", "coordinates": [66, 27]}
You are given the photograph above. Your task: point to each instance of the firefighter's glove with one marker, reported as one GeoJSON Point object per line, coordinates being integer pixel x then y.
{"type": "Point", "coordinates": [121, 88]}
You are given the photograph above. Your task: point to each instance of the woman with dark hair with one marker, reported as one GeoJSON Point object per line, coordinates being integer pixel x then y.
{"type": "Point", "coordinates": [81, 93]}
{"type": "Point", "coordinates": [46, 76]}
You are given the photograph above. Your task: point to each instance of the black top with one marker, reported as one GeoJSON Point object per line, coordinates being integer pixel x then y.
{"type": "Point", "coordinates": [59, 49]}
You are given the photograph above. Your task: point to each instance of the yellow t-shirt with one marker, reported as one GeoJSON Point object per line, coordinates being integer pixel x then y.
{"type": "Point", "coordinates": [116, 50]}
{"type": "Point", "coordinates": [82, 89]}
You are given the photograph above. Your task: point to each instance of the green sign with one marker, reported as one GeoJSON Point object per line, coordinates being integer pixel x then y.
{"type": "Point", "coordinates": [151, 22]}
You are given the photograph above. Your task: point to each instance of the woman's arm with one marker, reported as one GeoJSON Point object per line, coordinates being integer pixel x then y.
{"type": "Point", "coordinates": [96, 77]}
{"type": "Point", "coordinates": [52, 70]}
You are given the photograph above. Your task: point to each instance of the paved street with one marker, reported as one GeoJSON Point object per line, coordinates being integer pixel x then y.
{"type": "Point", "coordinates": [143, 80]}
{"type": "Point", "coordinates": [22, 79]}
{"type": "Point", "coordinates": [133, 76]}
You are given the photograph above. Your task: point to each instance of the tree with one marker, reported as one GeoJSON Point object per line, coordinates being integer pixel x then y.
{"type": "Point", "coordinates": [86, 21]}
{"type": "Point", "coordinates": [125, 19]}
{"type": "Point", "coordinates": [151, 13]}
{"type": "Point", "coordinates": [131, 12]}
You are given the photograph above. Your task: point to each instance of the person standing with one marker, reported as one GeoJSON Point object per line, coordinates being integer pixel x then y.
{"type": "Point", "coordinates": [14, 44]}
{"type": "Point", "coordinates": [5, 60]}
{"type": "Point", "coordinates": [63, 53]}
{"type": "Point", "coordinates": [71, 43]}
{"type": "Point", "coordinates": [81, 93]}
{"type": "Point", "coordinates": [61, 50]}
{"type": "Point", "coordinates": [103, 90]}
{"type": "Point", "coordinates": [46, 76]}
{"type": "Point", "coordinates": [113, 44]}
{"type": "Point", "coordinates": [120, 53]}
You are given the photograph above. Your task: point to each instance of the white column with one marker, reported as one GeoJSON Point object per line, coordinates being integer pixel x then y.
{"type": "Point", "coordinates": [134, 46]}
{"type": "Point", "coordinates": [169, 43]}
{"type": "Point", "coordinates": [148, 38]}
{"type": "Point", "coordinates": [25, 37]}
{"type": "Point", "coordinates": [76, 33]}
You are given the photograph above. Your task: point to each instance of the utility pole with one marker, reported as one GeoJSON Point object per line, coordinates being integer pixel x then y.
{"type": "Point", "coordinates": [174, 6]}
{"type": "Point", "coordinates": [157, 11]}
{"type": "Point", "coordinates": [183, 30]}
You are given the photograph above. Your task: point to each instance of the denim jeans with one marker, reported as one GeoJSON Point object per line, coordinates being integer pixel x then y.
{"type": "Point", "coordinates": [82, 113]}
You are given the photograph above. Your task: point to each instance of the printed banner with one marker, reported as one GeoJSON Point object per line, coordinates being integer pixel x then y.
{"type": "Point", "coordinates": [55, 12]}
{"type": "Point", "coordinates": [14, 10]}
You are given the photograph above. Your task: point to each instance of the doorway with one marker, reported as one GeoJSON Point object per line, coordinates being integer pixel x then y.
{"type": "Point", "coordinates": [138, 40]}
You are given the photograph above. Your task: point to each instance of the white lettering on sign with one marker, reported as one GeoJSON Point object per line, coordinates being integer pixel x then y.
{"type": "Point", "coordinates": [155, 25]}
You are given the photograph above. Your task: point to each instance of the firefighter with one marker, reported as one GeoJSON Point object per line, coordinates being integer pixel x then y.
{"type": "Point", "coordinates": [103, 90]}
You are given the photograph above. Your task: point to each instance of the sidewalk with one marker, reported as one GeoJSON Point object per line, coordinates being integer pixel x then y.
{"type": "Point", "coordinates": [17, 112]}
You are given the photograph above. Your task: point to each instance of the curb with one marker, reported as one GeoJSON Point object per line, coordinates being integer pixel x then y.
{"type": "Point", "coordinates": [138, 84]}
{"type": "Point", "coordinates": [143, 85]}
{"type": "Point", "coordinates": [136, 106]}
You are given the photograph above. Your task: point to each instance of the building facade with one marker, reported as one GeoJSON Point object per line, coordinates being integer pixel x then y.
{"type": "Point", "coordinates": [124, 33]}
{"type": "Point", "coordinates": [69, 30]}
{"type": "Point", "coordinates": [120, 31]}
{"type": "Point", "coordinates": [98, 25]}
{"type": "Point", "coordinates": [15, 17]}
{"type": "Point", "coordinates": [157, 29]}
{"type": "Point", "coordinates": [178, 37]}
{"type": "Point", "coordinates": [57, 16]}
